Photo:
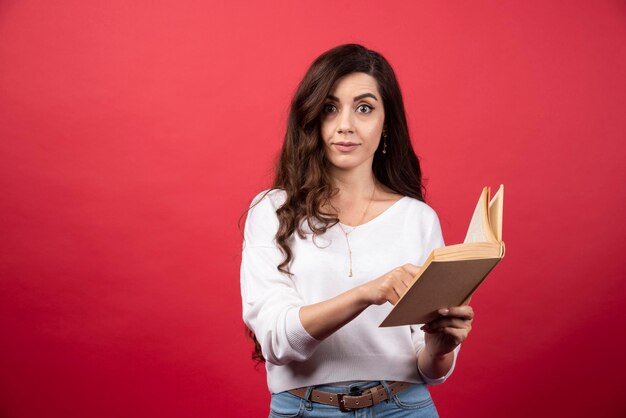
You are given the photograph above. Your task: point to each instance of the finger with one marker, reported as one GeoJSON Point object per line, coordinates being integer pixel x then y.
{"type": "Point", "coordinates": [454, 334]}
{"type": "Point", "coordinates": [401, 274]}
{"type": "Point", "coordinates": [457, 335]}
{"type": "Point", "coordinates": [465, 312]}
{"type": "Point", "coordinates": [448, 323]}
{"type": "Point", "coordinates": [411, 269]}
{"type": "Point", "coordinates": [387, 289]}
{"type": "Point", "coordinates": [400, 287]}
{"type": "Point", "coordinates": [392, 297]}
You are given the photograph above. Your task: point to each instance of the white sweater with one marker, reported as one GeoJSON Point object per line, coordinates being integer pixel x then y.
{"type": "Point", "coordinates": [404, 233]}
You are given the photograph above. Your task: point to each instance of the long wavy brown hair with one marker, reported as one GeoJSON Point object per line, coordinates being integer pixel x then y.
{"type": "Point", "coordinates": [302, 169]}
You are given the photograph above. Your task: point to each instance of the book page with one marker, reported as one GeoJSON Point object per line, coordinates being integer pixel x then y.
{"type": "Point", "coordinates": [496, 207]}
{"type": "Point", "coordinates": [467, 251]}
{"type": "Point", "coordinates": [475, 232]}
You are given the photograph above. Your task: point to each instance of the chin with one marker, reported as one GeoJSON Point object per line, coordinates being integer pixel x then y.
{"type": "Point", "coordinates": [347, 163]}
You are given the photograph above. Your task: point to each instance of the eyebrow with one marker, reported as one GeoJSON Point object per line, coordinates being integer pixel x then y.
{"type": "Point", "coordinates": [356, 98]}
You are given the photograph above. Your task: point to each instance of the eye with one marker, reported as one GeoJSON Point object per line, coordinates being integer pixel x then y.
{"type": "Point", "coordinates": [328, 108]}
{"type": "Point", "coordinates": [364, 108]}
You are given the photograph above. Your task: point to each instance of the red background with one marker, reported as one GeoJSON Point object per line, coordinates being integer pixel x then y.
{"type": "Point", "coordinates": [134, 134]}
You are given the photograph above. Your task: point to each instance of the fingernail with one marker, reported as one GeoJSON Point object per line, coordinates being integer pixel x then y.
{"type": "Point", "coordinates": [444, 311]}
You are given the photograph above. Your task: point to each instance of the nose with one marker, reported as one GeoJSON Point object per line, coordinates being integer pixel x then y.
{"type": "Point", "coordinates": [345, 123]}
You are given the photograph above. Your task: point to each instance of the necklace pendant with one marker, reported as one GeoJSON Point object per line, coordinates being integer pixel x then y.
{"type": "Point", "coordinates": [352, 230]}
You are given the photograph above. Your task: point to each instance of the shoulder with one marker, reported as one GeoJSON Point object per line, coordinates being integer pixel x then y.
{"type": "Point", "coordinates": [421, 210]}
{"type": "Point", "coordinates": [266, 203]}
{"type": "Point", "coordinates": [419, 219]}
{"type": "Point", "coordinates": [410, 205]}
{"type": "Point", "coordinates": [262, 222]}
{"type": "Point", "coordinates": [269, 199]}
{"type": "Point", "coordinates": [423, 221]}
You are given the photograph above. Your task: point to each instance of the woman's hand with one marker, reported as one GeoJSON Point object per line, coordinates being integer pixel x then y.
{"type": "Point", "coordinates": [390, 286]}
{"type": "Point", "coordinates": [445, 333]}
{"type": "Point", "coordinates": [324, 318]}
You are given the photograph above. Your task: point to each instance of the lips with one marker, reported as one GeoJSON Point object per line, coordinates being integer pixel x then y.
{"type": "Point", "coordinates": [345, 146]}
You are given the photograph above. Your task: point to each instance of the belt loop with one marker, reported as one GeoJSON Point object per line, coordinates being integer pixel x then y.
{"type": "Point", "coordinates": [387, 389]}
{"type": "Point", "coordinates": [307, 396]}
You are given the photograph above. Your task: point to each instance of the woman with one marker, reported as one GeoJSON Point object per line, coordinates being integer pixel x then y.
{"type": "Point", "coordinates": [341, 233]}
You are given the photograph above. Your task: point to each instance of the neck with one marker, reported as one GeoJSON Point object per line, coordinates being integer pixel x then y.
{"type": "Point", "coordinates": [354, 184]}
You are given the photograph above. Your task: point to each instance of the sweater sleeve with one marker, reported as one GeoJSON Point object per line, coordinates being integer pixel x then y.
{"type": "Point", "coordinates": [432, 239]}
{"type": "Point", "coordinates": [270, 301]}
{"type": "Point", "coordinates": [418, 342]}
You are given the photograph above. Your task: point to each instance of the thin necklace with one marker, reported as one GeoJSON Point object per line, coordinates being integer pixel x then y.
{"type": "Point", "coordinates": [352, 230]}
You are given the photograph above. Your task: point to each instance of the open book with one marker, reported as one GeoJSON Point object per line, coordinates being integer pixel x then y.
{"type": "Point", "coordinates": [451, 274]}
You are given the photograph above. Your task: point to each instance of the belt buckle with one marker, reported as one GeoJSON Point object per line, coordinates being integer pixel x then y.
{"type": "Point", "coordinates": [342, 405]}
{"type": "Point", "coordinates": [341, 402]}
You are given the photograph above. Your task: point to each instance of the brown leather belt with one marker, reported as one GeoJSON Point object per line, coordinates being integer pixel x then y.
{"type": "Point", "coordinates": [349, 401]}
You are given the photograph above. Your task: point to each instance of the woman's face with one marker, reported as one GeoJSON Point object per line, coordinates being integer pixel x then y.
{"type": "Point", "coordinates": [352, 121]}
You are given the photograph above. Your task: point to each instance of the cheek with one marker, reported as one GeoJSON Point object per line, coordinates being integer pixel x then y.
{"type": "Point", "coordinates": [326, 131]}
{"type": "Point", "coordinates": [372, 129]}
{"type": "Point", "coordinates": [373, 134]}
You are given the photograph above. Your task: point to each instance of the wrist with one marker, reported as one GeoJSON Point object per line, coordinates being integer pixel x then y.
{"type": "Point", "coordinates": [438, 357]}
{"type": "Point", "coordinates": [362, 299]}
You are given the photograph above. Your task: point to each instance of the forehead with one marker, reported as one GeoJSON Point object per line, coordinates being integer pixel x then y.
{"type": "Point", "coordinates": [353, 84]}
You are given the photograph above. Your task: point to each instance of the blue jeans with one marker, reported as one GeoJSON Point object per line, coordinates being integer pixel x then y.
{"type": "Point", "coordinates": [413, 402]}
